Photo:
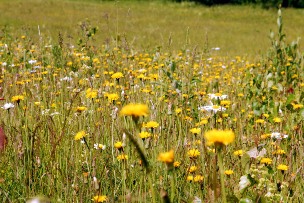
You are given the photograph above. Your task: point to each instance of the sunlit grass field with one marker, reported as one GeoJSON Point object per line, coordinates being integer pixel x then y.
{"type": "Point", "coordinates": [150, 102]}
{"type": "Point", "coordinates": [237, 30]}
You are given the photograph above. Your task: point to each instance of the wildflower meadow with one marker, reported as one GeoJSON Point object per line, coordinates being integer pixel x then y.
{"type": "Point", "coordinates": [86, 120]}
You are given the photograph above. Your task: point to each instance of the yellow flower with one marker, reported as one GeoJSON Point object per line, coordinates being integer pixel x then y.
{"type": "Point", "coordinates": [80, 135]}
{"type": "Point", "coordinates": [117, 75]}
{"type": "Point", "coordinates": [150, 124]}
{"type": "Point", "coordinates": [166, 157]}
{"type": "Point", "coordinates": [266, 161]}
{"type": "Point", "coordinates": [265, 136]}
{"type": "Point", "coordinates": [195, 131]}
{"type": "Point", "coordinates": [228, 172]}
{"type": "Point", "coordinates": [280, 152]}
{"type": "Point", "coordinates": [178, 110]}
{"type": "Point", "coordinates": [260, 121]}
{"type": "Point", "coordinates": [135, 110]}
{"type": "Point", "coordinates": [144, 135]}
{"type": "Point", "coordinates": [100, 198]}
{"type": "Point", "coordinates": [122, 157]}
{"type": "Point", "coordinates": [282, 167]}
{"type": "Point", "coordinates": [192, 169]}
{"type": "Point", "coordinates": [198, 178]}
{"type": "Point", "coordinates": [176, 164]}
{"type": "Point", "coordinates": [238, 153]}
{"type": "Point", "coordinates": [225, 103]}
{"type": "Point", "coordinates": [297, 106]}
{"type": "Point", "coordinates": [266, 115]}
{"type": "Point", "coordinates": [118, 145]}
{"type": "Point", "coordinates": [80, 109]}
{"type": "Point", "coordinates": [193, 153]}
{"type": "Point", "coordinates": [37, 103]}
{"type": "Point", "coordinates": [202, 122]}
{"type": "Point", "coordinates": [277, 120]}
{"type": "Point", "coordinates": [112, 97]}
{"type": "Point", "coordinates": [190, 178]}
{"type": "Point", "coordinates": [219, 137]}
{"type": "Point", "coordinates": [91, 93]}
{"type": "Point", "coordinates": [17, 98]}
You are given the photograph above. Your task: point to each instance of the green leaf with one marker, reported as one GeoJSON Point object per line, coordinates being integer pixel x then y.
{"type": "Point", "coordinates": [290, 98]}
{"type": "Point", "coordinates": [270, 170]}
{"type": "Point", "coordinates": [246, 200]}
{"type": "Point", "coordinates": [173, 67]}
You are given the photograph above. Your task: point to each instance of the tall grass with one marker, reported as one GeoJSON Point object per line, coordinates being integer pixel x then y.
{"type": "Point", "coordinates": [68, 141]}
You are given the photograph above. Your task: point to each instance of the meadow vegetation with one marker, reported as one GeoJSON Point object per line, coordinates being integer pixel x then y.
{"type": "Point", "coordinates": [182, 105]}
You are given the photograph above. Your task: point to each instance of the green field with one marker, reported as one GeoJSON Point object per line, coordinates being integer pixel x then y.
{"type": "Point", "coordinates": [237, 30]}
{"type": "Point", "coordinates": [150, 101]}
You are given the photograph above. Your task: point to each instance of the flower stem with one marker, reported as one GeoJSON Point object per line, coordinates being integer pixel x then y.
{"type": "Point", "coordinates": [172, 185]}
{"type": "Point", "coordinates": [151, 188]}
{"type": "Point", "coordinates": [220, 162]}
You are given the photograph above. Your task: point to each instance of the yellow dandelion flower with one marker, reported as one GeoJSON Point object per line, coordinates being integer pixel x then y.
{"type": "Point", "coordinates": [265, 115]}
{"type": "Point", "coordinates": [117, 75]}
{"type": "Point", "coordinates": [151, 124]}
{"type": "Point", "coordinates": [176, 164]}
{"type": "Point", "coordinates": [135, 110]}
{"type": "Point", "coordinates": [37, 103]}
{"type": "Point", "coordinates": [100, 198]}
{"type": "Point", "coordinates": [197, 142]}
{"type": "Point", "coordinates": [122, 157]}
{"type": "Point", "coordinates": [118, 145]}
{"type": "Point", "coordinates": [91, 93]}
{"type": "Point", "coordinates": [166, 157]}
{"type": "Point", "coordinates": [80, 109]}
{"type": "Point", "coordinates": [80, 135]}
{"type": "Point", "coordinates": [17, 98]}
{"type": "Point", "coordinates": [260, 121]}
{"type": "Point", "coordinates": [225, 115]}
{"type": "Point", "coordinates": [222, 137]}
{"type": "Point", "coordinates": [190, 178]}
{"type": "Point", "coordinates": [198, 178]}
{"type": "Point", "coordinates": [195, 131]}
{"type": "Point", "coordinates": [178, 110]}
{"type": "Point", "coordinates": [193, 153]}
{"type": "Point", "coordinates": [144, 135]}
{"type": "Point", "coordinates": [192, 169]}
{"type": "Point", "coordinates": [202, 122]}
{"type": "Point", "coordinates": [238, 153]}
{"type": "Point", "coordinates": [228, 172]}
{"type": "Point", "coordinates": [297, 106]}
{"type": "Point", "coordinates": [279, 152]}
{"type": "Point", "coordinates": [265, 136]}
{"type": "Point", "coordinates": [277, 120]}
{"type": "Point", "coordinates": [112, 97]}
{"type": "Point", "coordinates": [266, 161]}
{"type": "Point", "coordinates": [225, 103]}
{"type": "Point", "coordinates": [282, 167]}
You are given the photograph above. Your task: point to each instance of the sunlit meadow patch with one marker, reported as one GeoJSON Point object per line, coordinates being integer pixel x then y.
{"type": "Point", "coordinates": [174, 126]}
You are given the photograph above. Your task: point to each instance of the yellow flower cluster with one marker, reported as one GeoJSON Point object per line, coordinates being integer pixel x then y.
{"type": "Point", "coordinates": [135, 110]}
{"type": "Point", "coordinates": [166, 157]}
{"type": "Point", "coordinates": [219, 137]}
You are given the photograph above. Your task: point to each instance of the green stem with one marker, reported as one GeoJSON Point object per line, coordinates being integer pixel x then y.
{"type": "Point", "coordinates": [172, 185]}
{"type": "Point", "coordinates": [152, 188]}
{"type": "Point", "coordinates": [220, 162]}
